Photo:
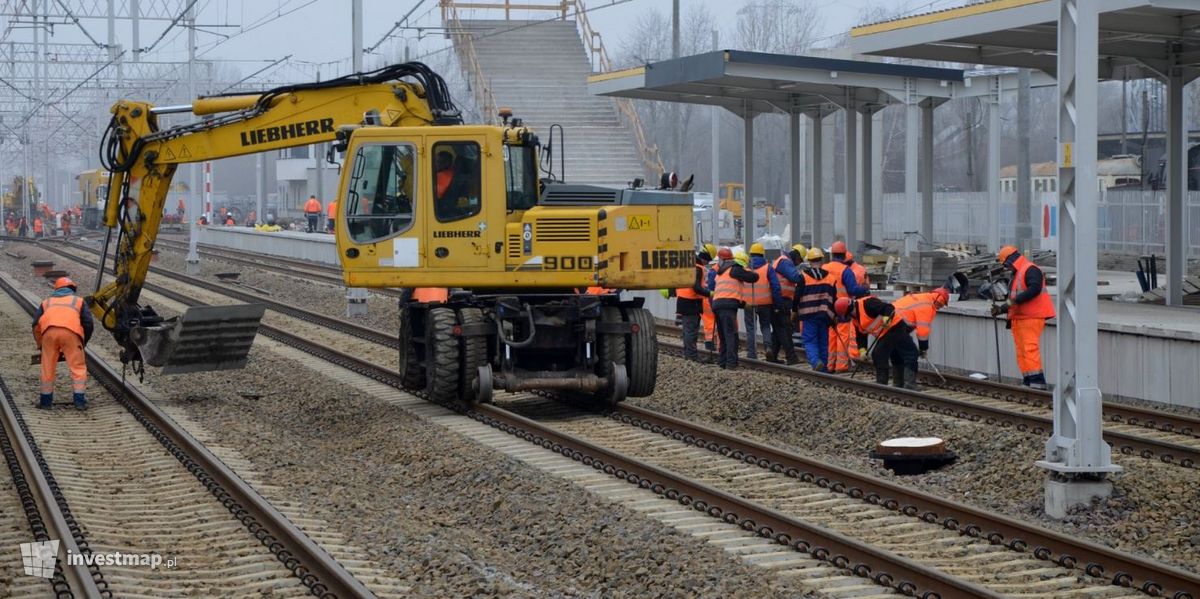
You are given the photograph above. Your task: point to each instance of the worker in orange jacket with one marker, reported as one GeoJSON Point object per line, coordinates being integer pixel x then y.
{"type": "Point", "coordinates": [759, 300]}
{"type": "Point", "coordinates": [38, 228]}
{"type": "Point", "coordinates": [708, 318]}
{"type": "Point", "coordinates": [312, 211]}
{"type": "Point", "coordinates": [689, 305]}
{"type": "Point", "coordinates": [1029, 306]}
{"type": "Point", "coordinates": [842, 340]}
{"type": "Point", "coordinates": [330, 215]}
{"type": "Point", "coordinates": [918, 310]}
{"type": "Point", "coordinates": [63, 325]}
{"type": "Point", "coordinates": [894, 351]}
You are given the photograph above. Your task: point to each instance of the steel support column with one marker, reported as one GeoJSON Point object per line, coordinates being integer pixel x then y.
{"type": "Point", "coordinates": [927, 170]}
{"type": "Point", "coordinates": [1077, 450]}
{"type": "Point", "coordinates": [816, 203]}
{"type": "Point", "coordinates": [1176, 157]}
{"type": "Point", "coordinates": [868, 176]}
{"type": "Point", "coordinates": [912, 113]}
{"type": "Point", "coordinates": [748, 175]}
{"type": "Point", "coordinates": [850, 177]}
{"type": "Point", "coordinates": [195, 203]}
{"type": "Point", "coordinates": [993, 165]}
{"type": "Point", "coordinates": [794, 205]}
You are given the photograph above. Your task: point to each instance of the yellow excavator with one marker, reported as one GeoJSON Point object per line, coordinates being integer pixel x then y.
{"type": "Point", "coordinates": [425, 203]}
{"type": "Point", "coordinates": [93, 189]}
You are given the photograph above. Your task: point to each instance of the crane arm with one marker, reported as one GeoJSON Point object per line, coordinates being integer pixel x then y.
{"type": "Point", "coordinates": [142, 159]}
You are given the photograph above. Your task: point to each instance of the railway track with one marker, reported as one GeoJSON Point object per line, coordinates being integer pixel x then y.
{"type": "Point", "coordinates": [232, 540]}
{"type": "Point", "coordinates": [1169, 438]}
{"type": "Point", "coordinates": [626, 444]}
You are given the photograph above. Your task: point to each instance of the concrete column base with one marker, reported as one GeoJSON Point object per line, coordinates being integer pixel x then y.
{"type": "Point", "coordinates": [1063, 495]}
{"type": "Point", "coordinates": [356, 302]}
{"type": "Point", "coordinates": [192, 267]}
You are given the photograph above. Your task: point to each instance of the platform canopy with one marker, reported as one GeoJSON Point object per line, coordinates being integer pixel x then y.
{"type": "Point", "coordinates": [1137, 38]}
{"type": "Point", "coordinates": [736, 79]}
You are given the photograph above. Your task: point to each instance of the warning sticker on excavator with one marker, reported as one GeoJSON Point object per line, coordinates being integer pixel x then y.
{"type": "Point", "coordinates": [641, 223]}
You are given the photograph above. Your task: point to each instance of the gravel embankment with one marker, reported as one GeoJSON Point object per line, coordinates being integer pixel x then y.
{"type": "Point", "coordinates": [442, 513]}
{"type": "Point", "coordinates": [1152, 511]}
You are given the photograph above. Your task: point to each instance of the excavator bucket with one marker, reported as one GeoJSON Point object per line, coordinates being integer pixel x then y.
{"type": "Point", "coordinates": [204, 338]}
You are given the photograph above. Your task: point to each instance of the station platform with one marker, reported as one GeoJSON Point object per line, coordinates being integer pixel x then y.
{"type": "Point", "coordinates": [1145, 352]}
{"type": "Point", "coordinates": [317, 247]}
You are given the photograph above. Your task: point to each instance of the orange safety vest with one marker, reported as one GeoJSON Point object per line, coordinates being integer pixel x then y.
{"type": "Point", "coordinates": [727, 287]}
{"type": "Point", "coordinates": [430, 294]}
{"type": "Point", "coordinates": [37, 225]}
{"type": "Point", "coordinates": [871, 326]}
{"type": "Point", "coordinates": [860, 273]}
{"type": "Point", "coordinates": [835, 269]}
{"type": "Point", "coordinates": [786, 288]}
{"type": "Point", "coordinates": [331, 209]}
{"type": "Point", "coordinates": [62, 312]}
{"type": "Point", "coordinates": [760, 291]}
{"type": "Point", "coordinates": [688, 293]}
{"type": "Point", "coordinates": [918, 311]}
{"type": "Point", "coordinates": [597, 290]}
{"type": "Point", "coordinates": [1039, 307]}
{"type": "Point", "coordinates": [312, 206]}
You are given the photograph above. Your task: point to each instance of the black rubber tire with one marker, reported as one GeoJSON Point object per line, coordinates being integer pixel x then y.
{"type": "Point", "coordinates": [641, 359]}
{"type": "Point", "coordinates": [412, 371]}
{"type": "Point", "coordinates": [611, 348]}
{"type": "Point", "coordinates": [474, 354]}
{"type": "Point", "coordinates": [442, 383]}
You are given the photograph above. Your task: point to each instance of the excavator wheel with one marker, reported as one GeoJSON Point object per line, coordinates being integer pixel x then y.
{"type": "Point", "coordinates": [444, 354]}
{"type": "Point", "coordinates": [412, 373]}
{"type": "Point", "coordinates": [641, 355]}
{"type": "Point", "coordinates": [474, 355]}
{"type": "Point", "coordinates": [611, 352]}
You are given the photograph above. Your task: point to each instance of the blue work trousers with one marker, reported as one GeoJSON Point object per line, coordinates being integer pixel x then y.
{"type": "Point", "coordinates": [815, 336]}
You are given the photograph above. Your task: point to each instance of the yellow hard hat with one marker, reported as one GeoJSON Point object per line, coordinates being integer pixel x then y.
{"type": "Point", "coordinates": [742, 258]}
{"type": "Point", "coordinates": [757, 248]}
{"type": "Point", "coordinates": [799, 248]}
{"type": "Point", "coordinates": [815, 254]}
{"type": "Point", "coordinates": [711, 249]}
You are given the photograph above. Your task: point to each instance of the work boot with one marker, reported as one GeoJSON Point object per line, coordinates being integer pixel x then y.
{"type": "Point", "coordinates": [882, 375]}
{"type": "Point", "coordinates": [46, 401]}
{"type": "Point", "coordinates": [897, 377]}
{"type": "Point", "coordinates": [772, 357]}
{"type": "Point", "coordinates": [1037, 381]}
{"type": "Point", "coordinates": [792, 360]}
{"type": "Point", "coordinates": [710, 346]}
{"type": "Point", "coordinates": [80, 401]}
{"type": "Point", "coordinates": [910, 380]}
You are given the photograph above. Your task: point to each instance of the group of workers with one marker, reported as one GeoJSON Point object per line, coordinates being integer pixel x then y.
{"type": "Point", "coordinates": [45, 223]}
{"type": "Point", "coordinates": [830, 303]}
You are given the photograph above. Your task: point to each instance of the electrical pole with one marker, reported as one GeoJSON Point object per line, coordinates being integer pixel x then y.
{"type": "Point", "coordinates": [194, 201]}
{"type": "Point", "coordinates": [356, 27]}
{"type": "Point", "coordinates": [320, 175]}
{"type": "Point", "coordinates": [1024, 230]}
{"type": "Point", "coordinates": [716, 159]}
{"type": "Point", "coordinates": [676, 107]}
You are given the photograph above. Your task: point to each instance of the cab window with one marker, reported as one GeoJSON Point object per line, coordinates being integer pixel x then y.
{"type": "Point", "coordinates": [456, 180]}
{"type": "Point", "coordinates": [378, 201]}
{"type": "Point", "coordinates": [520, 177]}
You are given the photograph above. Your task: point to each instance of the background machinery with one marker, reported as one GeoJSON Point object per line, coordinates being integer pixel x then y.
{"type": "Point", "coordinates": [93, 191]}
{"type": "Point", "coordinates": [495, 250]}
{"type": "Point", "coordinates": [20, 193]}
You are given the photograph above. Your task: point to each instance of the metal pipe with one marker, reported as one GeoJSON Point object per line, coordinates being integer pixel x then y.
{"type": "Point", "coordinates": [172, 109]}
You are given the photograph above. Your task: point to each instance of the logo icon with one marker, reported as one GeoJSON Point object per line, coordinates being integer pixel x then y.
{"type": "Point", "coordinates": [40, 558]}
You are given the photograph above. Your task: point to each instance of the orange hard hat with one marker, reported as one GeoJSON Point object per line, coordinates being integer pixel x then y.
{"type": "Point", "coordinates": [841, 306]}
{"type": "Point", "coordinates": [61, 282]}
{"type": "Point", "coordinates": [1006, 252]}
{"type": "Point", "coordinates": [725, 254]}
{"type": "Point", "coordinates": [849, 256]}
{"type": "Point", "coordinates": [941, 297]}
{"type": "Point", "coordinates": [838, 247]}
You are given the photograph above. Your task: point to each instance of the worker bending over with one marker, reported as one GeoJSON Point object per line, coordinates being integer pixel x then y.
{"type": "Point", "coordinates": [63, 325]}
{"type": "Point", "coordinates": [893, 348]}
{"type": "Point", "coordinates": [725, 283]}
{"type": "Point", "coordinates": [758, 300]}
{"type": "Point", "coordinates": [689, 305]}
{"type": "Point", "coordinates": [918, 311]}
{"type": "Point", "coordinates": [1028, 307]}
{"type": "Point", "coordinates": [842, 342]}
{"type": "Point", "coordinates": [814, 307]}
{"type": "Point", "coordinates": [783, 295]}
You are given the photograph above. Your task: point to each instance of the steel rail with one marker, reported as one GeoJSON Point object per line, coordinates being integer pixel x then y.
{"type": "Point", "coordinates": [316, 569]}
{"type": "Point", "coordinates": [1122, 569]}
{"type": "Point", "coordinates": [1127, 444]}
{"type": "Point", "coordinates": [1168, 422]}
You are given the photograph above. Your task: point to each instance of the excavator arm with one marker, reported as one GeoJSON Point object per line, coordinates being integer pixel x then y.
{"type": "Point", "coordinates": [142, 159]}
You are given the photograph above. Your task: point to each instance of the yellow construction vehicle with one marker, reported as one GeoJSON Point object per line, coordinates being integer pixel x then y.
{"type": "Point", "coordinates": [426, 202]}
{"type": "Point", "coordinates": [93, 188]}
{"type": "Point", "coordinates": [15, 197]}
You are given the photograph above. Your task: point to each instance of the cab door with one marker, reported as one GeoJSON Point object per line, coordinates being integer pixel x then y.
{"type": "Point", "coordinates": [379, 225]}
{"type": "Point", "coordinates": [465, 230]}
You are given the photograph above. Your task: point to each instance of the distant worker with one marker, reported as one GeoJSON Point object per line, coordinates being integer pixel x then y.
{"type": "Point", "coordinates": [180, 208]}
{"type": "Point", "coordinates": [759, 300]}
{"type": "Point", "coordinates": [893, 349]}
{"type": "Point", "coordinates": [312, 211]}
{"type": "Point", "coordinates": [1028, 307]}
{"type": "Point", "coordinates": [38, 227]}
{"type": "Point", "coordinates": [725, 284]}
{"type": "Point", "coordinates": [63, 325]}
{"type": "Point", "coordinates": [708, 318]}
{"type": "Point", "coordinates": [783, 295]}
{"type": "Point", "coordinates": [202, 221]}
{"type": "Point", "coordinates": [689, 305]}
{"type": "Point", "coordinates": [23, 227]}
{"type": "Point", "coordinates": [252, 218]}
{"type": "Point", "coordinates": [918, 311]}
{"type": "Point", "coordinates": [814, 308]}
{"type": "Point", "coordinates": [66, 226]}
{"type": "Point", "coordinates": [330, 215]}
{"type": "Point", "coordinates": [842, 343]}
{"type": "Point", "coordinates": [229, 222]}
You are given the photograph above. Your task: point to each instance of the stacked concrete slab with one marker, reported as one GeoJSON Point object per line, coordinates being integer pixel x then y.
{"type": "Point", "coordinates": [540, 70]}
